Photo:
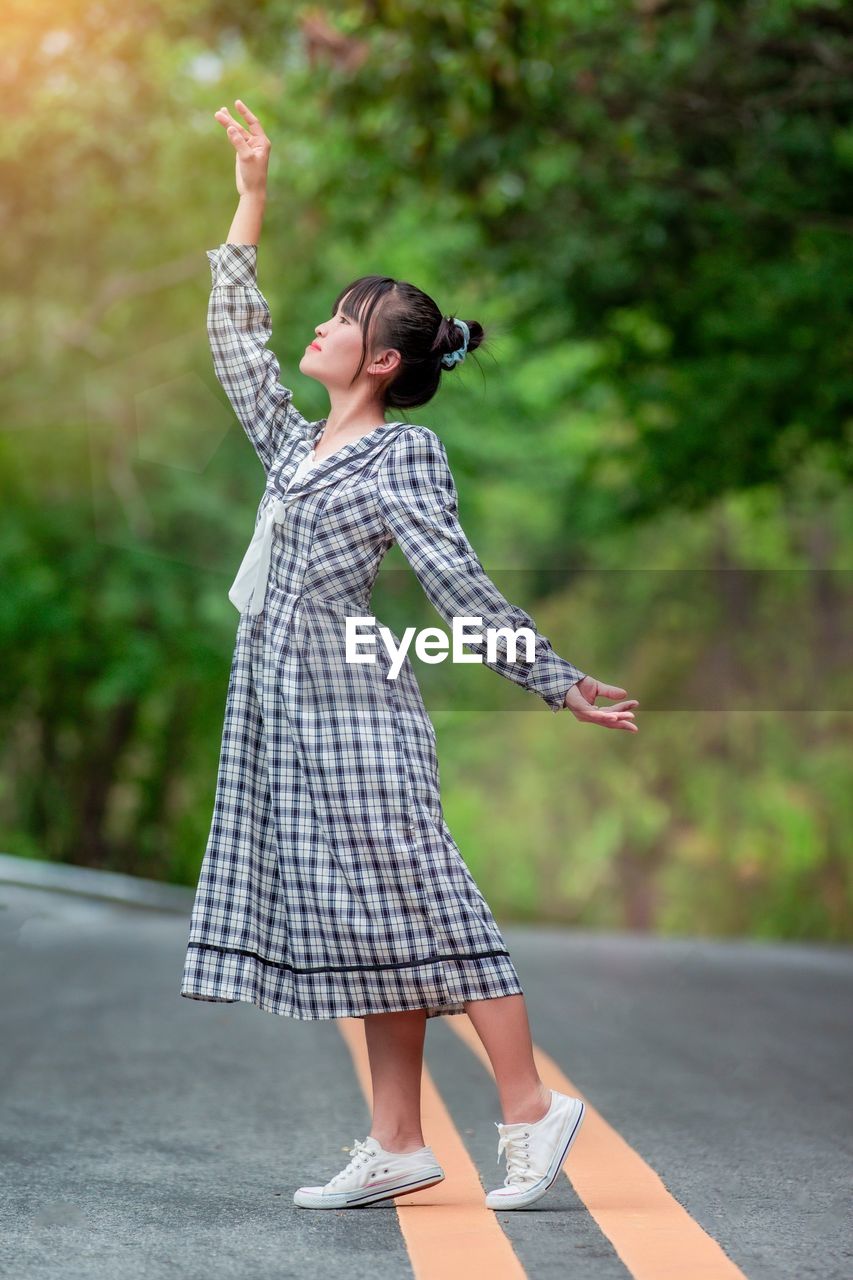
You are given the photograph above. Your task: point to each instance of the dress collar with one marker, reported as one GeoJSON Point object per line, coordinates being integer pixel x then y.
{"type": "Point", "coordinates": [345, 461]}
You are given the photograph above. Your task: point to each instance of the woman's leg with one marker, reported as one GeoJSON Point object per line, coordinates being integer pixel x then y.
{"type": "Point", "coordinates": [503, 1027]}
{"type": "Point", "coordinates": [395, 1046]}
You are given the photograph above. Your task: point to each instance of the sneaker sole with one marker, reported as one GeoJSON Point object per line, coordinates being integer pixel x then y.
{"type": "Point", "coordinates": [356, 1199]}
{"type": "Point", "coordinates": [539, 1188]}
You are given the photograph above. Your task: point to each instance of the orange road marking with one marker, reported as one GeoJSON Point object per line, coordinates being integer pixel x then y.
{"type": "Point", "coordinates": [653, 1234]}
{"type": "Point", "coordinates": [447, 1228]}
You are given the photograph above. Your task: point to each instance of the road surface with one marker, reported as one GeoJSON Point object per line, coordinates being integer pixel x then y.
{"type": "Point", "coordinates": [146, 1135]}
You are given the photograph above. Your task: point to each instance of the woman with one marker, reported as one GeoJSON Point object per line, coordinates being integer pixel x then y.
{"type": "Point", "coordinates": [331, 886]}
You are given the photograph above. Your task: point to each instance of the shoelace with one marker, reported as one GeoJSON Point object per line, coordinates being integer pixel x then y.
{"type": "Point", "coordinates": [517, 1158]}
{"type": "Point", "coordinates": [361, 1154]}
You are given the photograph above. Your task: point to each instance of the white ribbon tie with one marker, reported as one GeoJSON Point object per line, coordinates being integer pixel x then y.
{"type": "Point", "coordinates": [249, 588]}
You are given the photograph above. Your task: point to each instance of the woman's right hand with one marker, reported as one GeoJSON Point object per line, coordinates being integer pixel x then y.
{"type": "Point", "coordinates": [252, 146]}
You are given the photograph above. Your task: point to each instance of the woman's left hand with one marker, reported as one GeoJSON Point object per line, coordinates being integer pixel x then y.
{"type": "Point", "coordinates": [580, 700]}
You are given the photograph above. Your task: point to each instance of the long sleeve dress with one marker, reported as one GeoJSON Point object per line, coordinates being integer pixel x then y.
{"type": "Point", "coordinates": [331, 885]}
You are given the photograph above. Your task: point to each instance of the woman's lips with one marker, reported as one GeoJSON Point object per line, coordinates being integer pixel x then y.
{"type": "Point", "coordinates": [314, 345]}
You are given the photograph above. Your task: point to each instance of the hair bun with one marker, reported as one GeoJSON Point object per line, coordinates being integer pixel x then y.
{"type": "Point", "coordinates": [451, 358]}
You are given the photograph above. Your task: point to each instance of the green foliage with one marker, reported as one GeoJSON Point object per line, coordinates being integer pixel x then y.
{"type": "Point", "coordinates": [647, 209]}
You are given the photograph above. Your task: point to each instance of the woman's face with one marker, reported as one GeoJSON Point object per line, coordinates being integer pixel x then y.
{"type": "Point", "coordinates": [333, 356]}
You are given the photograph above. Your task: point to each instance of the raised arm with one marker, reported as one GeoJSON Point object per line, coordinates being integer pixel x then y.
{"type": "Point", "coordinates": [419, 505]}
{"type": "Point", "coordinates": [238, 317]}
{"type": "Point", "coordinates": [239, 327]}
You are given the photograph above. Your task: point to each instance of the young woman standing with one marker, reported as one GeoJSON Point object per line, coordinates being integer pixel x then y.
{"type": "Point", "coordinates": [331, 885]}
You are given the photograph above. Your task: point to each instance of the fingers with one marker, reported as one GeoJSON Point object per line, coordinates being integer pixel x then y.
{"type": "Point", "coordinates": [603, 690]}
{"type": "Point", "coordinates": [223, 115]}
{"type": "Point", "coordinates": [610, 722]}
{"type": "Point", "coordinates": [610, 718]}
{"type": "Point", "coordinates": [252, 121]}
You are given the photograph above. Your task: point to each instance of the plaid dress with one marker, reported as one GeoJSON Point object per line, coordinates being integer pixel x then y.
{"type": "Point", "coordinates": [331, 886]}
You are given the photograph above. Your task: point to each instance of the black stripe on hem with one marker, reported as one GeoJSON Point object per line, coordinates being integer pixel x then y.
{"type": "Point", "coordinates": [342, 968]}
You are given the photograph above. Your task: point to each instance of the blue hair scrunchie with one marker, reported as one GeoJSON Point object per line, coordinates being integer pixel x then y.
{"type": "Point", "coordinates": [450, 358]}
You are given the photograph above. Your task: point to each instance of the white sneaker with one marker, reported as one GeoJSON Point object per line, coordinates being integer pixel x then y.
{"type": "Point", "coordinates": [373, 1174]}
{"type": "Point", "coordinates": [535, 1152]}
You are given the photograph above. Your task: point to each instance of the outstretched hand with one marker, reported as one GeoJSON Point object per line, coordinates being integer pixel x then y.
{"type": "Point", "coordinates": [252, 146]}
{"type": "Point", "coordinates": [580, 700]}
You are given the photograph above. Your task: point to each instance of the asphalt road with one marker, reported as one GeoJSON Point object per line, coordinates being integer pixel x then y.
{"type": "Point", "coordinates": [146, 1135]}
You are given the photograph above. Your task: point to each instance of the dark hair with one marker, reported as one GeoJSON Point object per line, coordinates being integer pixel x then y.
{"type": "Point", "coordinates": [408, 320]}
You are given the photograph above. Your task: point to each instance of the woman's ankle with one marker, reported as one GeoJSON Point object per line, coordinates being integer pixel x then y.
{"type": "Point", "coordinates": [398, 1144]}
{"type": "Point", "coordinates": [530, 1109]}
